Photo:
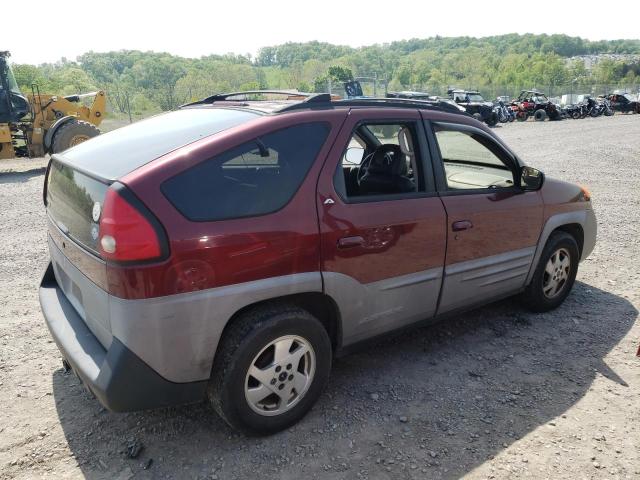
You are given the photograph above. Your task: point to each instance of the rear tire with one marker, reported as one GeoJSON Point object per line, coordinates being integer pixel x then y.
{"type": "Point", "coordinates": [540, 115]}
{"type": "Point", "coordinates": [492, 121]}
{"type": "Point", "coordinates": [521, 116]}
{"type": "Point", "coordinates": [256, 344]}
{"type": "Point", "coordinates": [73, 133]}
{"type": "Point", "coordinates": [554, 275]}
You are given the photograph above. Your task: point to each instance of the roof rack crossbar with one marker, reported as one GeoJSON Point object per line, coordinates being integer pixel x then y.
{"type": "Point", "coordinates": [220, 97]}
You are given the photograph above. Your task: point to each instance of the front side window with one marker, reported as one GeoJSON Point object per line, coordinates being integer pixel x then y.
{"type": "Point", "coordinates": [255, 178]}
{"type": "Point", "coordinates": [471, 161]}
{"type": "Point", "coordinates": [380, 159]}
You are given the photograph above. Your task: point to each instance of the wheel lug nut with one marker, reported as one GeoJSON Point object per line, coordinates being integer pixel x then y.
{"type": "Point", "coordinates": [281, 386]}
{"type": "Point", "coordinates": [289, 366]}
{"type": "Point", "coordinates": [290, 377]}
{"type": "Point", "coordinates": [273, 381]}
{"type": "Point", "coordinates": [278, 368]}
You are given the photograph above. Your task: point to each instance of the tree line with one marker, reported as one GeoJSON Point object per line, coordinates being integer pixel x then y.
{"type": "Point", "coordinates": [150, 81]}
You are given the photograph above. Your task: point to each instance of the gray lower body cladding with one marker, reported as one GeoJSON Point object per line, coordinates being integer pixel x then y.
{"type": "Point", "coordinates": [474, 281]}
{"type": "Point", "coordinates": [116, 376]}
{"type": "Point", "coordinates": [177, 335]}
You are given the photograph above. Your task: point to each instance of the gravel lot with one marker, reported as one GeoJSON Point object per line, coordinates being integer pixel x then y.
{"type": "Point", "coordinates": [494, 393]}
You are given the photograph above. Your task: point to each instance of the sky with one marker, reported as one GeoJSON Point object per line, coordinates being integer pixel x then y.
{"type": "Point", "coordinates": [194, 28]}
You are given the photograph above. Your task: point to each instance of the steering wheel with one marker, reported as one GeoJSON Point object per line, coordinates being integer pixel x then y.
{"type": "Point", "coordinates": [366, 162]}
{"type": "Point", "coordinates": [364, 167]}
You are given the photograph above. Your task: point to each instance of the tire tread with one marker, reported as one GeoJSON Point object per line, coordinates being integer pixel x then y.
{"type": "Point", "coordinates": [250, 321]}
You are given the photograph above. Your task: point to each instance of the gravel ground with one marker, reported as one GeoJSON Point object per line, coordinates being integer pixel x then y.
{"type": "Point", "coordinates": [494, 393]}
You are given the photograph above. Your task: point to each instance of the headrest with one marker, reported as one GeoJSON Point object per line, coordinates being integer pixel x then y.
{"type": "Point", "coordinates": [406, 141]}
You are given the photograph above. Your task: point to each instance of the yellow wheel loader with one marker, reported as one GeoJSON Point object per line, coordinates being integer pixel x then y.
{"type": "Point", "coordinates": [33, 125]}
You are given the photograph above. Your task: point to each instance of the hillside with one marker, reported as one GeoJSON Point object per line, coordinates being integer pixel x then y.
{"type": "Point", "coordinates": [150, 81]}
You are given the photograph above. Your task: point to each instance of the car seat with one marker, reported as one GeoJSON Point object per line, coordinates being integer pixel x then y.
{"type": "Point", "coordinates": [386, 172]}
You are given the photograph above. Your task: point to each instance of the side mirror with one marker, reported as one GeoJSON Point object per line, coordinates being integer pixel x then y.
{"type": "Point", "coordinates": [531, 179]}
{"type": "Point", "coordinates": [354, 155]}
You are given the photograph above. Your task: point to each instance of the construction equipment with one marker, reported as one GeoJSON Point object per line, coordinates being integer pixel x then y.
{"type": "Point", "coordinates": [33, 125]}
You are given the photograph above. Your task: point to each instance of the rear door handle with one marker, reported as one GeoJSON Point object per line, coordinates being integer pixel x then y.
{"type": "Point", "coordinates": [350, 242]}
{"type": "Point", "coordinates": [461, 225]}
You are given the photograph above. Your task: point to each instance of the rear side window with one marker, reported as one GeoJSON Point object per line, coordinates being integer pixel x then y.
{"type": "Point", "coordinates": [255, 178]}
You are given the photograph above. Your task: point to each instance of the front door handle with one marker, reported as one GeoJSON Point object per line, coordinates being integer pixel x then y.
{"type": "Point", "coordinates": [461, 225]}
{"type": "Point", "coordinates": [350, 242]}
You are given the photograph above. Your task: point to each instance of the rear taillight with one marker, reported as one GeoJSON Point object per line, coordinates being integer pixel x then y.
{"type": "Point", "coordinates": [128, 231]}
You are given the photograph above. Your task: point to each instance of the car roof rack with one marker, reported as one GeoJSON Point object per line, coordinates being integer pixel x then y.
{"type": "Point", "coordinates": [303, 100]}
{"type": "Point", "coordinates": [325, 101]}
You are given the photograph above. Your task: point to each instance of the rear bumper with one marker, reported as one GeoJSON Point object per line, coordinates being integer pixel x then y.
{"type": "Point", "coordinates": [116, 376]}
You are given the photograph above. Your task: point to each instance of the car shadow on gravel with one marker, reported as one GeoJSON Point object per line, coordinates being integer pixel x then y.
{"type": "Point", "coordinates": [20, 177]}
{"type": "Point", "coordinates": [437, 401]}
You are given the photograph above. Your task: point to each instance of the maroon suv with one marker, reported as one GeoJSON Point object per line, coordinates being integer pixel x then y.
{"type": "Point", "coordinates": [227, 250]}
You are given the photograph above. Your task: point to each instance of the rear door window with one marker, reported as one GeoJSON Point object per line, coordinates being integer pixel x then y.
{"type": "Point", "coordinates": [255, 178]}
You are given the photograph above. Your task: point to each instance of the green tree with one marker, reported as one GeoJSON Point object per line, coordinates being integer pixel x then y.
{"type": "Point", "coordinates": [26, 75]}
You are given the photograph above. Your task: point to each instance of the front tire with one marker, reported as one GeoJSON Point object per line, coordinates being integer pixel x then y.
{"type": "Point", "coordinates": [73, 133]}
{"type": "Point", "coordinates": [270, 369]}
{"type": "Point", "coordinates": [555, 273]}
{"type": "Point", "coordinates": [540, 115]}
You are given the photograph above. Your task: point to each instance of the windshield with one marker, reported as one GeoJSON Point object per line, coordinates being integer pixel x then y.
{"type": "Point", "coordinates": [11, 81]}
{"type": "Point", "coordinates": [628, 97]}
{"type": "Point", "coordinates": [539, 98]}
{"type": "Point", "coordinates": [476, 97]}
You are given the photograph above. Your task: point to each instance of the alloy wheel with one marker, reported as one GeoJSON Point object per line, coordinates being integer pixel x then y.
{"type": "Point", "coordinates": [280, 375]}
{"type": "Point", "coordinates": [556, 273]}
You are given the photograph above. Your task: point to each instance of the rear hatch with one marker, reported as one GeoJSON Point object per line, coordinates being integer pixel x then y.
{"type": "Point", "coordinates": [76, 187]}
{"type": "Point", "coordinates": [73, 247]}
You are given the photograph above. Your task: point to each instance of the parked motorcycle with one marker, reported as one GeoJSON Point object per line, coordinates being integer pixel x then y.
{"type": "Point", "coordinates": [504, 114]}
{"type": "Point", "coordinates": [593, 109]}
{"type": "Point", "coordinates": [608, 110]}
{"type": "Point", "coordinates": [569, 111]}
{"type": "Point", "coordinates": [580, 111]}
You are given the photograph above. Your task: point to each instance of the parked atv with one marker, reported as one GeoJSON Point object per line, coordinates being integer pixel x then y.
{"type": "Point", "coordinates": [531, 103]}
{"type": "Point", "coordinates": [475, 105]}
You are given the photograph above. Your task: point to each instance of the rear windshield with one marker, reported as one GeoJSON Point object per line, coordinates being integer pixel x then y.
{"type": "Point", "coordinates": [114, 154]}
{"type": "Point", "coordinates": [73, 201]}
{"type": "Point", "coordinates": [255, 178]}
